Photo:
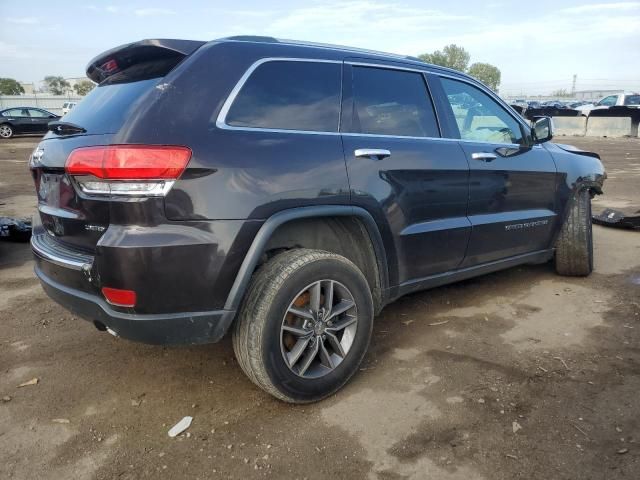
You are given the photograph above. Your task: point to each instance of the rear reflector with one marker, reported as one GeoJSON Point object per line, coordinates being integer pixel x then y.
{"type": "Point", "coordinates": [129, 162]}
{"type": "Point", "coordinates": [118, 297]}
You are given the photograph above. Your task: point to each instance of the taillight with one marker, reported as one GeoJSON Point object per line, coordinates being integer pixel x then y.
{"type": "Point", "coordinates": [147, 170]}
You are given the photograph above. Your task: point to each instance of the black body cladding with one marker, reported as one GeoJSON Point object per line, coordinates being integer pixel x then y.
{"type": "Point", "coordinates": [455, 196]}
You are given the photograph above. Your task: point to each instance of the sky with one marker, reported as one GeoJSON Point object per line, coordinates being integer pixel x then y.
{"type": "Point", "coordinates": [538, 45]}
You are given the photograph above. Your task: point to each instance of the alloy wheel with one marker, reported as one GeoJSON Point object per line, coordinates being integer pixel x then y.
{"type": "Point", "coordinates": [318, 329]}
{"type": "Point", "coordinates": [5, 131]}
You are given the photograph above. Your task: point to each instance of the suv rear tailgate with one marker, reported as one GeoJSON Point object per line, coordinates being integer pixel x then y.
{"type": "Point", "coordinates": [128, 77]}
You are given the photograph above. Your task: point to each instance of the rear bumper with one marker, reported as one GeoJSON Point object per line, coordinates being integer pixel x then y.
{"type": "Point", "coordinates": [170, 328]}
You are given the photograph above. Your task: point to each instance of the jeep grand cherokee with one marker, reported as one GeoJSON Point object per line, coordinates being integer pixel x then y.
{"type": "Point", "coordinates": [288, 192]}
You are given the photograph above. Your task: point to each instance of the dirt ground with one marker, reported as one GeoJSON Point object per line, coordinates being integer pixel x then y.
{"type": "Point", "coordinates": [518, 374]}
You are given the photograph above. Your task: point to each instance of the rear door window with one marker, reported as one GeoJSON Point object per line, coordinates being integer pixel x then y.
{"type": "Point", "coordinates": [289, 95]}
{"type": "Point", "coordinates": [16, 112]}
{"type": "Point", "coordinates": [37, 113]}
{"type": "Point", "coordinates": [478, 116]}
{"type": "Point", "coordinates": [392, 102]}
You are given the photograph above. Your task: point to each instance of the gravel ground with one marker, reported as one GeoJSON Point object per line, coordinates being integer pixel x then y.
{"type": "Point", "coordinates": [518, 374]}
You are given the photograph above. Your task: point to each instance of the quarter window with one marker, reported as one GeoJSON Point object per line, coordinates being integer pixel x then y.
{"type": "Point", "coordinates": [478, 116]}
{"type": "Point", "coordinates": [289, 95]}
{"type": "Point", "coordinates": [392, 102]}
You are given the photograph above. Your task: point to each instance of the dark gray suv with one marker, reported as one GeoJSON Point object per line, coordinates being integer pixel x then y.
{"type": "Point", "coordinates": [288, 192]}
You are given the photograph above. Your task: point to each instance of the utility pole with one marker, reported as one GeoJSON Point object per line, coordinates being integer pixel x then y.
{"type": "Point", "coordinates": [573, 85]}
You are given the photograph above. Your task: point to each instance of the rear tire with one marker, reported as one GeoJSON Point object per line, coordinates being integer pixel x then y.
{"type": "Point", "coordinates": [574, 247]}
{"type": "Point", "coordinates": [6, 131]}
{"type": "Point", "coordinates": [275, 346]}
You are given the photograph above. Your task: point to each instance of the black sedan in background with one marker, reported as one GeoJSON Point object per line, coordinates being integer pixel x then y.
{"type": "Point", "coordinates": [18, 120]}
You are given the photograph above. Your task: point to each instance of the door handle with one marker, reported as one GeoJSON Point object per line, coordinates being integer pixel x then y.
{"type": "Point", "coordinates": [484, 156]}
{"type": "Point", "coordinates": [377, 153]}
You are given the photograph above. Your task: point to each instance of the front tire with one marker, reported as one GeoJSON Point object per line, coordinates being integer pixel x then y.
{"type": "Point", "coordinates": [6, 131]}
{"type": "Point", "coordinates": [304, 326]}
{"type": "Point", "coordinates": [574, 247]}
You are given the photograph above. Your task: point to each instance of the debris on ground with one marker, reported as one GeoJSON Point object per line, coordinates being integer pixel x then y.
{"type": "Point", "coordinates": [438, 323]}
{"type": "Point", "coordinates": [17, 230]}
{"type": "Point", "coordinates": [6, 398]}
{"type": "Point", "coordinates": [180, 427]}
{"type": "Point", "coordinates": [60, 420]}
{"type": "Point", "coordinates": [618, 219]}
{"type": "Point", "coordinates": [622, 451]}
{"type": "Point", "coordinates": [33, 381]}
{"type": "Point", "coordinates": [563, 362]}
{"type": "Point", "coordinates": [579, 429]}
{"type": "Point", "coordinates": [516, 426]}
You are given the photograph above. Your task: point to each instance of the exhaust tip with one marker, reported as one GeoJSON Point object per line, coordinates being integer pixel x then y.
{"type": "Point", "coordinates": [111, 332]}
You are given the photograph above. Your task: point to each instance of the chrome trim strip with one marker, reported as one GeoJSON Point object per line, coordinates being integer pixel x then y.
{"type": "Point", "coordinates": [161, 189]}
{"type": "Point", "coordinates": [221, 121]}
{"type": "Point", "coordinates": [436, 226]}
{"type": "Point", "coordinates": [511, 216]}
{"type": "Point", "coordinates": [222, 116]}
{"type": "Point", "coordinates": [389, 67]}
{"type": "Point", "coordinates": [72, 260]}
{"type": "Point", "coordinates": [58, 212]}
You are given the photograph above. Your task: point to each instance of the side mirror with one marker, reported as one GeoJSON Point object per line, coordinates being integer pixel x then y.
{"type": "Point", "coordinates": [542, 130]}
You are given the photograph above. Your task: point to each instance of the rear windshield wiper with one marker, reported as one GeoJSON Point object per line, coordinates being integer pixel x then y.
{"type": "Point", "coordinates": [65, 128]}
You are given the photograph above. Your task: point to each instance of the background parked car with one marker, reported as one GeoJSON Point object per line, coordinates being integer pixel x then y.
{"type": "Point", "coordinates": [19, 120]}
{"type": "Point", "coordinates": [66, 106]}
{"type": "Point", "coordinates": [623, 99]}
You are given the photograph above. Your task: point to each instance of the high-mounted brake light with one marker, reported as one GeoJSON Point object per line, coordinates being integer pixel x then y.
{"type": "Point", "coordinates": [148, 170]}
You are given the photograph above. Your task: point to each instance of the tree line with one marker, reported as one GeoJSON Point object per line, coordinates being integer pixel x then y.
{"type": "Point", "coordinates": [456, 57]}
{"type": "Point", "coordinates": [55, 84]}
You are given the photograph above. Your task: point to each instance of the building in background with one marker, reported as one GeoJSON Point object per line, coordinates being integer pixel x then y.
{"type": "Point", "coordinates": [73, 80]}
{"type": "Point", "coordinates": [29, 88]}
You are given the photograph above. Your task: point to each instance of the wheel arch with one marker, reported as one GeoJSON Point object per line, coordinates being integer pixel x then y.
{"type": "Point", "coordinates": [261, 243]}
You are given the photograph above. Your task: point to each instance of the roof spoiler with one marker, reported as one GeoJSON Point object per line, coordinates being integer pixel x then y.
{"type": "Point", "coordinates": [117, 59]}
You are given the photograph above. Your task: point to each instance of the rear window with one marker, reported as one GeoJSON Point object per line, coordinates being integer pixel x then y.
{"type": "Point", "coordinates": [288, 95]}
{"type": "Point", "coordinates": [106, 107]}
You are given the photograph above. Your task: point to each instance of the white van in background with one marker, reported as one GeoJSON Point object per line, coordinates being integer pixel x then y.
{"type": "Point", "coordinates": [66, 106]}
